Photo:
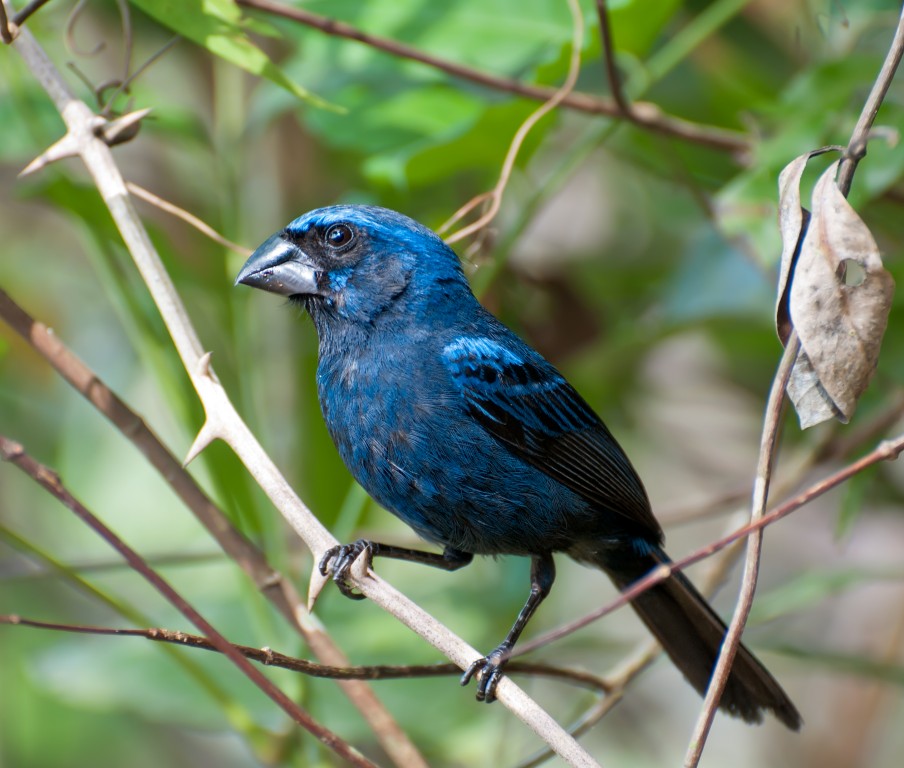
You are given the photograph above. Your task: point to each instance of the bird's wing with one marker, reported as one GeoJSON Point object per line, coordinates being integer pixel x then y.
{"type": "Point", "coordinates": [529, 406]}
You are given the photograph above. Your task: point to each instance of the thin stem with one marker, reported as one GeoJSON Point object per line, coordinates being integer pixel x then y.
{"type": "Point", "coordinates": [574, 69]}
{"type": "Point", "coordinates": [856, 149]}
{"type": "Point", "coordinates": [887, 450]}
{"type": "Point", "coordinates": [732, 640]}
{"type": "Point", "coordinates": [27, 11]}
{"type": "Point", "coordinates": [645, 114]}
{"type": "Point", "coordinates": [612, 73]}
{"type": "Point", "coordinates": [271, 658]}
{"type": "Point", "coordinates": [189, 218]}
{"type": "Point", "coordinates": [15, 454]}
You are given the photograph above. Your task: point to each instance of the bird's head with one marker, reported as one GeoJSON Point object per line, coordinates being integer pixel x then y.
{"type": "Point", "coordinates": [353, 262]}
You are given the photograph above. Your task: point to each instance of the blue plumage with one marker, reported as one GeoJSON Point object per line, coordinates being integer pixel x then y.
{"type": "Point", "coordinates": [470, 436]}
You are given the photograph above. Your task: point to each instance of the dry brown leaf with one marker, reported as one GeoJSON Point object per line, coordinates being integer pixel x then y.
{"type": "Point", "coordinates": [839, 300]}
{"type": "Point", "coordinates": [792, 220]}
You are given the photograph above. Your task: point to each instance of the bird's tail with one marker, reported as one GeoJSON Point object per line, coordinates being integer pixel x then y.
{"type": "Point", "coordinates": [691, 634]}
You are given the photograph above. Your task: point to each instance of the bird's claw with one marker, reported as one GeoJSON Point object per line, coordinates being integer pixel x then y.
{"type": "Point", "coordinates": [337, 562]}
{"type": "Point", "coordinates": [489, 671]}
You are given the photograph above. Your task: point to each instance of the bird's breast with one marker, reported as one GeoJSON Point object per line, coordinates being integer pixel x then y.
{"type": "Point", "coordinates": [404, 433]}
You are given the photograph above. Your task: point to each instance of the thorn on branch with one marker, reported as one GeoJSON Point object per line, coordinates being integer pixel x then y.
{"type": "Point", "coordinates": [65, 147]}
{"type": "Point", "coordinates": [205, 437]}
{"type": "Point", "coordinates": [122, 129]}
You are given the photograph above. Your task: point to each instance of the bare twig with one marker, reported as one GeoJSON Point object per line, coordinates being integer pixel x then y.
{"type": "Point", "coordinates": [6, 35]}
{"type": "Point", "coordinates": [123, 86]}
{"type": "Point", "coordinates": [722, 668]}
{"type": "Point", "coordinates": [271, 658]}
{"type": "Point", "coordinates": [645, 114]}
{"type": "Point", "coordinates": [188, 218]}
{"type": "Point", "coordinates": [15, 454]}
{"type": "Point", "coordinates": [223, 422]}
{"type": "Point", "coordinates": [272, 584]}
{"type": "Point", "coordinates": [856, 149]}
{"type": "Point", "coordinates": [495, 197]}
{"type": "Point", "coordinates": [612, 73]}
{"type": "Point", "coordinates": [888, 450]}
{"type": "Point", "coordinates": [27, 11]}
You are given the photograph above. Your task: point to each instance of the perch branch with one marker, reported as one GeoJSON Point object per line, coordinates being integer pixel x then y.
{"type": "Point", "coordinates": [272, 584]}
{"type": "Point", "coordinates": [223, 422]}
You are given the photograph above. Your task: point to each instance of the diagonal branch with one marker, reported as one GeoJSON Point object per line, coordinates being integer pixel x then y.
{"type": "Point", "coordinates": [273, 585]}
{"type": "Point", "coordinates": [855, 151]}
{"type": "Point", "coordinates": [887, 450]}
{"type": "Point", "coordinates": [15, 454]}
{"type": "Point", "coordinates": [643, 114]}
{"type": "Point", "coordinates": [223, 422]}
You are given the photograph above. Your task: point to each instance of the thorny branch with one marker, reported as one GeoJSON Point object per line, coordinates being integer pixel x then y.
{"type": "Point", "coordinates": [272, 584]}
{"type": "Point", "coordinates": [222, 420]}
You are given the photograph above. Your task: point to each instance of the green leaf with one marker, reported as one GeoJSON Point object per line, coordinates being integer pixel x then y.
{"type": "Point", "coordinates": [217, 25]}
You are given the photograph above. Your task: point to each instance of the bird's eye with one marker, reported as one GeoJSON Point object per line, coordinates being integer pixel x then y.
{"type": "Point", "coordinates": [339, 235]}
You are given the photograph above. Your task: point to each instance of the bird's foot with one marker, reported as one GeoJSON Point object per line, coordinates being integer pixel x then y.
{"type": "Point", "coordinates": [337, 562]}
{"type": "Point", "coordinates": [489, 671]}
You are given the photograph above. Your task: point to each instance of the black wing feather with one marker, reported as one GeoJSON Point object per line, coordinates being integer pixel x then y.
{"type": "Point", "coordinates": [529, 407]}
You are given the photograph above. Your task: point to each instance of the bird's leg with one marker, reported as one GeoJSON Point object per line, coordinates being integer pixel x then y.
{"type": "Point", "coordinates": [337, 560]}
{"type": "Point", "coordinates": [542, 576]}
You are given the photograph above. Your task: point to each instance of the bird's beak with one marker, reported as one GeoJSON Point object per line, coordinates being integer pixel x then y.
{"type": "Point", "coordinates": [279, 266]}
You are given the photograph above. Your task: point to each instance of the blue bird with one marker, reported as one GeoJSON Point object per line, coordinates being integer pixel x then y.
{"type": "Point", "coordinates": [465, 432]}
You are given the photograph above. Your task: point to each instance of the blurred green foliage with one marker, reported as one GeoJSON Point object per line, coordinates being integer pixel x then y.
{"type": "Point", "coordinates": [641, 264]}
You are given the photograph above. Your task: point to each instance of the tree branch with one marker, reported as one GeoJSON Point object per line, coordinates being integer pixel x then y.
{"type": "Point", "coordinates": [273, 585]}
{"type": "Point", "coordinates": [271, 658]}
{"type": "Point", "coordinates": [223, 422]}
{"type": "Point", "coordinates": [887, 450]}
{"type": "Point", "coordinates": [15, 454]}
{"type": "Point", "coordinates": [856, 149]}
{"type": "Point", "coordinates": [643, 114]}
